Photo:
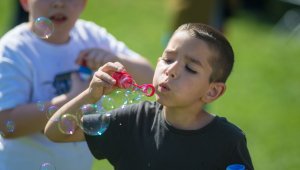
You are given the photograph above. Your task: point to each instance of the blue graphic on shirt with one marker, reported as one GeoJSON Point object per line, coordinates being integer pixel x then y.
{"type": "Point", "coordinates": [62, 83]}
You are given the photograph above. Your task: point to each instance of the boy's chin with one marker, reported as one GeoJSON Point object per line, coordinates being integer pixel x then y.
{"type": "Point", "coordinates": [161, 101]}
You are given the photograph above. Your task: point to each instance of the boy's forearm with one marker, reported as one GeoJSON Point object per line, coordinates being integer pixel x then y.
{"type": "Point", "coordinates": [28, 118]}
{"type": "Point", "coordinates": [72, 107]}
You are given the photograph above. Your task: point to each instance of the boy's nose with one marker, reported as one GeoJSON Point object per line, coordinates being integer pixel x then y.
{"type": "Point", "coordinates": [173, 70]}
{"type": "Point", "coordinates": [58, 3]}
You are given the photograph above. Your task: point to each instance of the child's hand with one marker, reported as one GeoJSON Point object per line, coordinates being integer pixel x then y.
{"type": "Point", "coordinates": [102, 82]}
{"type": "Point", "coordinates": [95, 57]}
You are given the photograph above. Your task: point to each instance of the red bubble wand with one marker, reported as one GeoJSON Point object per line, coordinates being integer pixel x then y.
{"type": "Point", "coordinates": [125, 81]}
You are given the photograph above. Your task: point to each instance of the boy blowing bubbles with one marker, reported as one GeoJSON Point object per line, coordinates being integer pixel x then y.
{"type": "Point", "coordinates": [173, 132]}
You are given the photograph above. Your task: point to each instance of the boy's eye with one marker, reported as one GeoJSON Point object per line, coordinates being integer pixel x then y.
{"type": "Point", "coordinates": [166, 60]}
{"type": "Point", "coordinates": [190, 70]}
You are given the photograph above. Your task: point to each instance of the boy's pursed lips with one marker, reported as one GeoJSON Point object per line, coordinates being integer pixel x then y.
{"type": "Point", "coordinates": [163, 87]}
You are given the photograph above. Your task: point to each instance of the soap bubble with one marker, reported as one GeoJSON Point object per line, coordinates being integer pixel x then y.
{"type": "Point", "coordinates": [94, 127]}
{"type": "Point", "coordinates": [40, 105]}
{"type": "Point", "coordinates": [107, 102]}
{"type": "Point", "coordinates": [51, 111]}
{"type": "Point", "coordinates": [1, 134]}
{"type": "Point", "coordinates": [67, 124]}
{"type": "Point", "coordinates": [43, 27]}
{"type": "Point", "coordinates": [10, 126]}
{"type": "Point", "coordinates": [47, 166]}
{"type": "Point", "coordinates": [86, 110]}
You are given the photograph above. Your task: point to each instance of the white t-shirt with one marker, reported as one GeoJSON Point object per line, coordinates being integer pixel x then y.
{"type": "Point", "coordinates": [33, 70]}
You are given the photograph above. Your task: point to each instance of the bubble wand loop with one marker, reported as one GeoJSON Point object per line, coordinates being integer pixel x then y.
{"type": "Point", "coordinates": [124, 80]}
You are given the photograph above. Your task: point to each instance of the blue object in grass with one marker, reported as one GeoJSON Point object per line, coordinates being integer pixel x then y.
{"type": "Point", "coordinates": [235, 167]}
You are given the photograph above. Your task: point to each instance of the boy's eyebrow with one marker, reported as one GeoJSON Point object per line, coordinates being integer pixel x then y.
{"type": "Point", "coordinates": [170, 52]}
{"type": "Point", "coordinates": [194, 60]}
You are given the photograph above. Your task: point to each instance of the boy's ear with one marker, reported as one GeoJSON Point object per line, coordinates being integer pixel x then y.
{"type": "Point", "coordinates": [215, 90]}
{"type": "Point", "coordinates": [24, 4]}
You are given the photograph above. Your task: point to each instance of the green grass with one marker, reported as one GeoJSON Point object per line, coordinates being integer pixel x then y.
{"type": "Point", "coordinates": [263, 91]}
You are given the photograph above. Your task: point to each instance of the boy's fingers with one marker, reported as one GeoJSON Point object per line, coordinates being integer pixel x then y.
{"type": "Point", "coordinates": [120, 66]}
{"type": "Point", "coordinates": [112, 67]}
{"type": "Point", "coordinates": [104, 78]}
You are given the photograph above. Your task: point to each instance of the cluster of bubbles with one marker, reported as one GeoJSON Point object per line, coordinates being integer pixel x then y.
{"type": "Point", "coordinates": [43, 27]}
{"type": "Point", "coordinates": [9, 127]}
{"type": "Point", "coordinates": [67, 123]}
{"type": "Point", "coordinates": [118, 99]}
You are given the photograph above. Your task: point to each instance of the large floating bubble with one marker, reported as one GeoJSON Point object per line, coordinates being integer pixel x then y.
{"type": "Point", "coordinates": [43, 27]}
{"type": "Point", "coordinates": [67, 124]}
{"type": "Point", "coordinates": [92, 127]}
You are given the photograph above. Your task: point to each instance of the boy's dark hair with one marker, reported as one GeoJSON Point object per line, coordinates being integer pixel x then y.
{"type": "Point", "coordinates": [222, 63]}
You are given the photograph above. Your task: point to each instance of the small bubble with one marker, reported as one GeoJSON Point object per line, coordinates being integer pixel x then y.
{"type": "Point", "coordinates": [43, 27]}
{"type": "Point", "coordinates": [51, 111]}
{"type": "Point", "coordinates": [40, 106]}
{"type": "Point", "coordinates": [47, 166]}
{"type": "Point", "coordinates": [1, 134]}
{"type": "Point", "coordinates": [10, 126]}
{"type": "Point", "coordinates": [107, 102]}
{"type": "Point", "coordinates": [67, 124]}
{"type": "Point", "coordinates": [1, 145]}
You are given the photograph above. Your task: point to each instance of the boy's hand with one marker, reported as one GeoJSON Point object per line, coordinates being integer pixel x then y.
{"type": "Point", "coordinates": [95, 57]}
{"type": "Point", "coordinates": [102, 82]}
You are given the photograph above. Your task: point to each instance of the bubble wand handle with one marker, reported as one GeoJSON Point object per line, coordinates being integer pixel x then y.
{"type": "Point", "coordinates": [125, 81]}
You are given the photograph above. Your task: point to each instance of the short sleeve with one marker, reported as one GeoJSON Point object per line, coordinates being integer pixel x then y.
{"type": "Point", "coordinates": [15, 86]}
{"type": "Point", "coordinates": [241, 154]}
{"type": "Point", "coordinates": [110, 145]}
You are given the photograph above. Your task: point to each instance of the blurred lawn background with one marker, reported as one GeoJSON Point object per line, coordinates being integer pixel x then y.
{"type": "Point", "coordinates": [263, 91]}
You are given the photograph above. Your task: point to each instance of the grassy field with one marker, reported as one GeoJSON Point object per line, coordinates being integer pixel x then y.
{"type": "Point", "coordinates": [263, 91]}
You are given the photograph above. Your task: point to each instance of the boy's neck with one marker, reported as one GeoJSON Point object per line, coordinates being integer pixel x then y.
{"type": "Point", "coordinates": [55, 38]}
{"type": "Point", "coordinates": [187, 119]}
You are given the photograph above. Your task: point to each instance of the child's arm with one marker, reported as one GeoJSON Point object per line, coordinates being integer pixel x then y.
{"type": "Point", "coordinates": [138, 67]}
{"type": "Point", "coordinates": [102, 83]}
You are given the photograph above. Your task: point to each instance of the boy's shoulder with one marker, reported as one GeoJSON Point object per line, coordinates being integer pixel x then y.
{"type": "Point", "coordinates": [139, 111]}
{"type": "Point", "coordinates": [17, 35]}
{"type": "Point", "coordinates": [227, 128]}
{"type": "Point", "coordinates": [87, 26]}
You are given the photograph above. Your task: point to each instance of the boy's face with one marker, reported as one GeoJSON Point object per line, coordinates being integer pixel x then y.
{"type": "Point", "coordinates": [63, 13]}
{"type": "Point", "coordinates": [182, 73]}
